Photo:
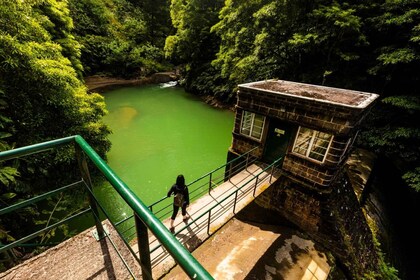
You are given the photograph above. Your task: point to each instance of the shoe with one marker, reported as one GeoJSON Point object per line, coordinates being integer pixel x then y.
{"type": "Point", "coordinates": [172, 229]}
{"type": "Point", "coordinates": [185, 219]}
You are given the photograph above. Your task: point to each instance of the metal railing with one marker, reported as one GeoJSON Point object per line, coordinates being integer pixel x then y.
{"type": "Point", "coordinates": [144, 219]}
{"type": "Point", "coordinates": [229, 201]}
{"type": "Point", "coordinates": [197, 188]}
{"type": "Point", "coordinates": [204, 185]}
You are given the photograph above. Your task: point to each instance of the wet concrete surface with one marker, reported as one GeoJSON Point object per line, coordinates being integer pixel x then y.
{"type": "Point", "coordinates": [247, 250]}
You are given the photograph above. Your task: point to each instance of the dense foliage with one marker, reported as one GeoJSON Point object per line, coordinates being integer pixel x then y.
{"type": "Point", "coordinates": [39, 75]}
{"type": "Point", "coordinates": [372, 46]}
{"type": "Point", "coordinates": [194, 46]}
{"type": "Point", "coordinates": [121, 38]}
{"type": "Point", "coordinates": [42, 98]}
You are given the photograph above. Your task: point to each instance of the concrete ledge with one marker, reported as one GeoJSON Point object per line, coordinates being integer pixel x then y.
{"type": "Point", "coordinates": [80, 257]}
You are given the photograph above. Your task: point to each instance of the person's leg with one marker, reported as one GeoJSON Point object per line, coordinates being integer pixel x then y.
{"type": "Point", "coordinates": [184, 213]}
{"type": "Point", "coordinates": [174, 213]}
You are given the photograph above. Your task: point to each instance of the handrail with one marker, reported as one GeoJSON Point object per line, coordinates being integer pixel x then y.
{"type": "Point", "coordinates": [36, 148]}
{"type": "Point", "coordinates": [31, 236]}
{"type": "Point", "coordinates": [210, 183]}
{"type": "Point", "coordinates": [182, 256]}
{"type": "Point", "coordinates": [220, 167]}
{"type": "Point", "coordinates": [36, 199]}
{"type": "Point", "coordinates": [205, 175]}
{"type": "Point", "coordinates": [272, 165]}
{"type": "Point", "coordinates": [168, 207]}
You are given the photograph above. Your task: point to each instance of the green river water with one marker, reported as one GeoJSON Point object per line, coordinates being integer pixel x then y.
{"type": "Point", "coordinates": [158, 133]}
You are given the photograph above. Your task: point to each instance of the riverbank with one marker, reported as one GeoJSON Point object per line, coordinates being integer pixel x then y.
{"type": "Point", "coordinates": [102, 84]}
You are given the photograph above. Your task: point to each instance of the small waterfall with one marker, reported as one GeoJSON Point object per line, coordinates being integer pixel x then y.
{"type": "Point", "coordinates": [168, 84]}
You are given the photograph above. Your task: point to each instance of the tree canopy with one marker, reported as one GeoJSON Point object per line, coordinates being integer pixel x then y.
{"type": "Point", "coordinates": [121, 38]}
{"type": "Point", "coordinates": [42, 97]}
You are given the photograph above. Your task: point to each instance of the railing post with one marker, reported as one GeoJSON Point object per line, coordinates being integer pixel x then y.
{"type": "Point", "coordinates": [271, 175]}
{"type": "Point", "coordinates": [256, 184]}
{"type": "Point", "coordinates": [234, 203]}
{"type": "Point", "coordinates": [144, 249]}
{"type": "Point", "coordinates": [230, 171]}
{"type": "Point", "coordinates": [210, 182]}
{"type": "Point", "coordinates": [208, 223]}
{"type": "Point", "coordinates": [246, 162]}
{"type": "Point", "coordinates": [84, 170]}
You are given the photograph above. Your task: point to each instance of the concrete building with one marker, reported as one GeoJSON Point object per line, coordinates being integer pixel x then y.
{"type": "Point", "coordinates": [311, 127]}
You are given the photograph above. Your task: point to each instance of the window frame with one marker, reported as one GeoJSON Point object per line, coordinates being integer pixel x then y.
{"type": "Point", "coordinates": [252, 127]}
{"type": "Point", "coordinates": [311, 145]}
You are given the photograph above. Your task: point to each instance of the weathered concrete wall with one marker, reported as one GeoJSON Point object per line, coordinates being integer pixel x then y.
{"type": "Point", "coordinates": [334, 220]}
{"type": "Point", "coordinates": [338, 120]}
{"type": "Point", "coordinates": [313, 173]}
{"type": "Point", "coordinates": [335, 119]}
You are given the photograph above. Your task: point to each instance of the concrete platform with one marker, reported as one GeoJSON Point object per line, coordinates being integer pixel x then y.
{"type": "Point", "coordinates": [246, 250]}
{"type": "Point", "coordinates": [81, 257]}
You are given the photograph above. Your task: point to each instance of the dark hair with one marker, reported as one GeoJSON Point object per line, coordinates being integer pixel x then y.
{"type": "Point", "coordinates": [180, 181]}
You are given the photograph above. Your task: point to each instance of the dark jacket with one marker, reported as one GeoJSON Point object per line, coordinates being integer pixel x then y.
{"type": "Point", "coordinates": [184, 190]}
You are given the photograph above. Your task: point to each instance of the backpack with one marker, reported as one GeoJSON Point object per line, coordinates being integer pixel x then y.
{"type": "Point", "coordinates": [179, 199]}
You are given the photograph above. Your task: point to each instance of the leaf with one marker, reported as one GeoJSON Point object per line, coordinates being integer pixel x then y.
{"type": "Point", "coordinates": [8, 195]}
{"type": "Point", "coordinates": [403, 55]}
{"type": "Point", "coordinates": [404, 102]}
{"type": "Point", "coordinates": [8, 175]}
{"type": "Point", "coordinates": [412, 178]}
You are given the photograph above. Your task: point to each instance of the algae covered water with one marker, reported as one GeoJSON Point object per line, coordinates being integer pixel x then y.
{"type": "Point", "coordinates": [160, 132]}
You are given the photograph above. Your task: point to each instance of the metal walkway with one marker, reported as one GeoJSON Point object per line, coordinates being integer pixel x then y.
{"type": "Point", "coordinates": [210, 212]}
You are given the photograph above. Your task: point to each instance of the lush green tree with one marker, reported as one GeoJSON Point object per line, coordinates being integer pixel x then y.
{"type": "Point", "coordinates": [46, 99]}
{"type": "Point", "coordinates": [119, 37]}
{"type": "Point", "coordinates": [8, 172]}
{"type": "Point", "coordinates": [302, 40]}
{"type": "Point", "coordinates": [193, 46]}
{"type": "Point", "coordinates": [394, 37]}
{"type": "Point", "coordinates": [394, 34]}
{"type": "Point", "coordinates": [371, 46]}
{"type": "Point", "coordinates": [42, 98]}
{"type": "Point", "coordinates": [157, 19]}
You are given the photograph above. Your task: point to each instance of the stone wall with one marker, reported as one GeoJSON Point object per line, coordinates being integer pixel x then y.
{"type": "Point", "coordinates": [317, 175]}
{"type": "Point", "coordinates": [334, 220]}
{"type": "Point", "coordinates": [329, 117]}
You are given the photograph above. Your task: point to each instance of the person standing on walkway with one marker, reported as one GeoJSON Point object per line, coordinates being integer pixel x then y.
{"type": "Point", "coordinates": [181, 199]}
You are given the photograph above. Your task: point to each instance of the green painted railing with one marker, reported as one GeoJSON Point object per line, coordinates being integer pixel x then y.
{"type": "Point", "coordinates": [144, 218]}
{"type": "Point", "coordinates": [241, 190]}
{"type": "Point", "coordinates": [200, 186]}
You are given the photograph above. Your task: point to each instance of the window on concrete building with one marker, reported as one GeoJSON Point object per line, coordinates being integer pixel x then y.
{"type": "Point", "coordinates": [314, 272]}
{"type": "Point", "coordinates": [312, 143]}
{"type": "Point", "coordinates": [252, 125]}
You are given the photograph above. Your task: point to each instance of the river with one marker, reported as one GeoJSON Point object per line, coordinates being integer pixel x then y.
{"type": "Point", "coordinates": [158, 133]}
